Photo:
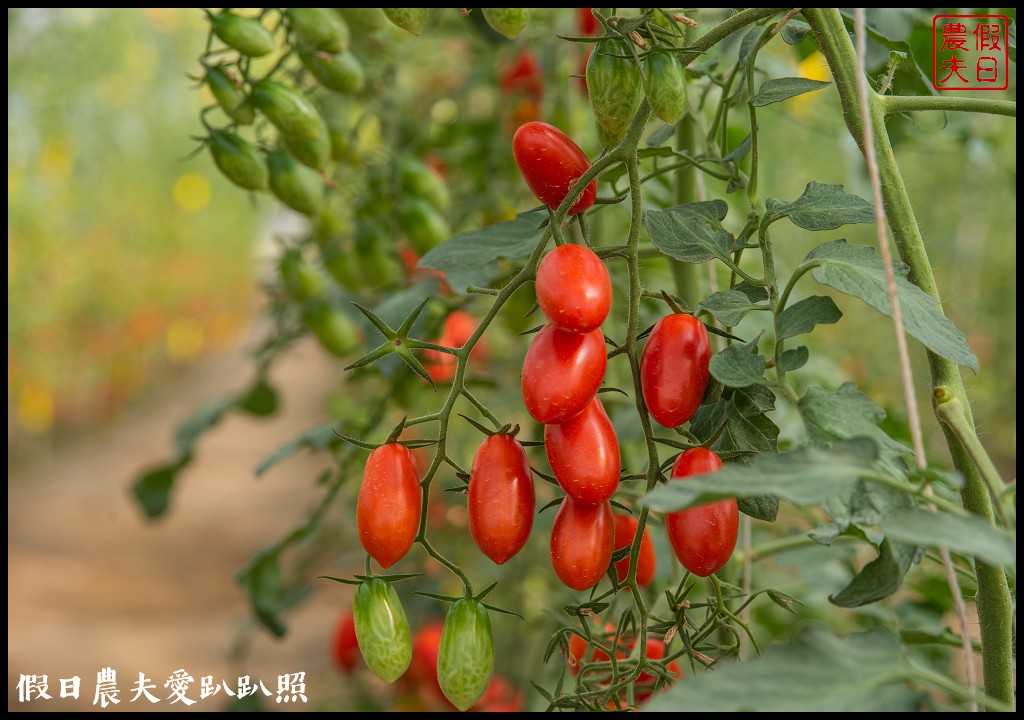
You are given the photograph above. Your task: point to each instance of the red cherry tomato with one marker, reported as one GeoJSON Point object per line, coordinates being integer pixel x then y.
{"type": "Point", "coordinates": [574, 289]}
{"type": "Point", "coordinates": [523, 76]}
{"type": "Point", "coordinates": [581, 543]}
{"type": "Point", "coordinates": [501, 498]}
{"type": "Point", "coordinates": [423, 667]}
{"type": "Point", "coordinates": [550, 162]}
{"type": "Point", "coordinates": [625, 531]}
{"type": "Point", "coordinates": [561, 373]}
{"type": "Point", "coordinates": [584, 455]}
{"type": "Point", "coordinates": [702, 537]}
{"type": "Point", "coordinates": [674, 368]}
{"type": "Point", "coordinates": [345, 649]}
{"type": "Point", "coordinates": [388, 509]}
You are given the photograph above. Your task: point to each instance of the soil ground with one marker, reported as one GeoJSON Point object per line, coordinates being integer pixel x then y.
{"type": "Point", "coordinates": [92, 584]}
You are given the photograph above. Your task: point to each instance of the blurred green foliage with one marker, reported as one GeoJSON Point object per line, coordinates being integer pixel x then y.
{"type": "Point", "coordinates": [122, 258]}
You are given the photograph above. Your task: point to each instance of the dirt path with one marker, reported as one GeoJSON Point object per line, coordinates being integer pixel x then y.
{"type": "Point", "coordinates": [91, 584]}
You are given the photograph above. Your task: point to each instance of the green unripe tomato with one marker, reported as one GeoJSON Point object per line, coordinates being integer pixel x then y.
{"type": "Point", "coordinates": [319, 29]}
{"type": "Point", "coordinates": [508, 21]}
{"type": "Point", "coordinates": [297, 186]}
{"type": "Point", "coordinates": [367, 20]}
{"type": "Point", "coordinates": [423, 226]}
{"type": "Point", "coordinates": [665, 85]}
{"type": "Point", "coordinates": [382, 630]}
{"type": "Point", "coordinates": [465, 657]}
{"type": "Point", "coordinates": [615, 85]}
{"type": "Point", "coordinates": [287, 109]}
{"type": "Point", "coordinates": [246, 35]}
{"type": "Point", "coordinates": [409, 19]}
{"type": "Point", "coordinates": [231, 98]}
{"type": "Point", "coordinates": [341, 72]}
{"type": "Point", "coordinates": [335, 331]}
{"type": "Point", "coordinates": [420, 181]}
{"type": "Point", "coordinates": [301, 280]}
{"type": "Point", "coordinates": [239, 160]}
{"type": "Point", "coordinates": [312, 153]}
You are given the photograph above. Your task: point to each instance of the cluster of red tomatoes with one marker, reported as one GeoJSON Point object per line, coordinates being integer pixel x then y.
{"type": "Point", "coordinates": [564, 368]}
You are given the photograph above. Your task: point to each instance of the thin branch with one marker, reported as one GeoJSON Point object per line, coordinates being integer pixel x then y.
{"type": "Point", "coordinates": [894, 104]}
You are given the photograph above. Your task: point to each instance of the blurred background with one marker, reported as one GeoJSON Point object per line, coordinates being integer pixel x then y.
{"type": "Point", "coordinates": [134, 296]}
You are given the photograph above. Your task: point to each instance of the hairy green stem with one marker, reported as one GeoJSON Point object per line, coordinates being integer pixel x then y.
{"type": "Point", "coordinates": [893, 104]}
{"type": "Point", "coordinates": [994, 603]}
{"type": "Point", "coordinates": [686, 275]}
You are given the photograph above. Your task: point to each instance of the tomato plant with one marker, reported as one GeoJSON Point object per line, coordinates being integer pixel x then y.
{"type": "Point", "coordinates": [696, 237]}
{"type": "Point", "coordinates": [550, 163]}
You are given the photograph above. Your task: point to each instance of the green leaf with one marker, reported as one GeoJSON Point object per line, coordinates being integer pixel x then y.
{"type": "Point", "coordinates": [804, 477]}
{"type": "Point", "coordinates": [738, 367]}
{"type": "Point", "coordinates": [260, 400]}
{"type": "Point", "coordinates": [779, 89]}
{"type": "Point", "coordinates": [801, 317]}
{"type": "Point", "coordinates": [794, 31]}
{"type": "Point", "coordinates": [880, 578]}
{"type": "Point", "coordinates": [848, 413]}
{"type": "Point", "coordinates": [821, 207]}
{"type": "Point", "coordinates": [856, 270]}
{"type": "Point", "coordinates": [660, 136]}
{"type": "Point", "coordinates": [153, 489]}
{"type": "Point", "coordinates": [316, 438]}
{"type": "Point", "coordinates": [740, 151]}
{"type": "Point", "coordinates": [693, 232]}
{"type": "Point", "coordinates": [262, 580]}
{"type": "Point", "coordinates": [727, 306]}
{"type": "Point", "coordinates": [478, 257]}
{"type": "Point", "coordinates": [794, 359]}
{"type": "Point", "coordinates": [762, 507]}
{"type": "Point", "coordinates": [742, 411]}
{"type": "Point", "coordinates": [818, 672]}
{"type": "Point", "coordinates": [964, 534]}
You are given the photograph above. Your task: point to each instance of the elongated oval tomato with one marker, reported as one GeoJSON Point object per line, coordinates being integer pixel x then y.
{"type": "Point", "coordinates": [523, 75]}
{"type": "Point", "coordinates": [674, 368]}
{"type": "Point", "coordinates": [702, 537]}
{"type": "Point", "coordinates": [625, 531]}
{"type": "Point", "coordinates": [574, 289]}
{"type": "Point", "coordinates": [382, 629]}
{"type": "Point", "coordinates": [465, 658]}
{"type": "Point", "coordinates": [561, 373]}
{"type": "Point", "coordinates": [550, 162]}
{"type": "Point", "coordinates": [581, 543]}
{"type": "Point", "coordinates": [584, 455]}
{"type": "Point", "coordinates": [388, 509]}
{"type": "Point", "coordinates": [501, 498]}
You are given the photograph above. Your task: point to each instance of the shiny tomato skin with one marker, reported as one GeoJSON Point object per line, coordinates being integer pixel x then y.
{"type": "Point", "coordinates": [584, 455]}
{"type": "Point", "coordinates": [561, 373]}
{"type": "Point", "coordinates": [625, 531]}
{"type": "Point", "coordinates": [674, 370]}
{"type": "Point", "coordinates": [581, 543]}
{"type": "Point", "coordinates": [550, 162]}
{"type": "Point", "coordinates": [574, 288]}
{"type": "Point", "coordinates": [388, 508]}
{"type": "Point", "coordinates": [501, 498]}
{"type": "Point", "coordinates": [702, 537]}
